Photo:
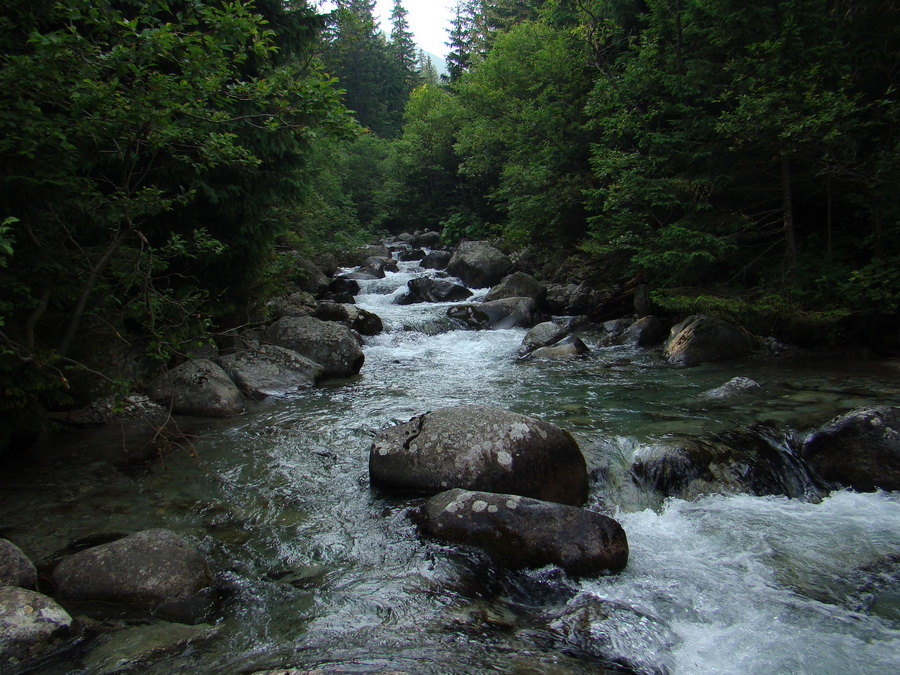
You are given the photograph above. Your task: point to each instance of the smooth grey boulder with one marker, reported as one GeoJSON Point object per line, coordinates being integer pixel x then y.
{"type": "Point", "coordinates": [362, 321]}
{"type": "Point", "coordinates": [756, 460]}
{"type": "Point", "coordinates": [31, 626]}
{"type": "Point", "coordinates": [436, 260]}
{"type": "Point", "coordinates": [704, 339]}
{"type": "Point", "coordinates": [523, 532]}
{"type": "Point", "coordinates": [860, 449]}
{"type": "Point", "coordinates": [270, 370]}
{"type": "Point", "coordinates": [197, 387]}
{"type": "Point", "coordinates": [505, 313]}
{"type": "Point", "coordinates": [736, 386]}
{"type": "Point", "coordinates": [479, 447]}
{"type": "Point", "coordinates": [566, 348]}
{"type": "Point", "coordinates": [542, 335]}
{"type": "Point", "coordinates": [16, 569]}
{"type": "Point", "coordinates": [478, 264]}
{"type": "Point", "coordinates": [424, 289]}
{"type": "Point", "coordinates": [328, 343]}
{"type": "Point", "coordinates": [151, 567]}
{"type": "Point", "coordinates": [518, 285]}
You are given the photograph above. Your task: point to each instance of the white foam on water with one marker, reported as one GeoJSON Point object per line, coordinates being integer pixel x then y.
{"type": "Point", "coordinates": [757, 585]}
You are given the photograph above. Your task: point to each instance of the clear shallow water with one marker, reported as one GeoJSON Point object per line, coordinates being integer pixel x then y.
{"type": "Point", "coordinates": [322, 572]}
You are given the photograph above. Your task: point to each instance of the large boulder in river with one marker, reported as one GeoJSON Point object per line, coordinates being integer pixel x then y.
{"type": "Point", "coordinates": [519, 285]}
{"type": "Point", "coordinates": [505, 313]}
{"type": "Point", "coordinates": [543, 335]}
{"type": "Point", "coordinates": [270, 370]}
{"type": "Point", "coordinates": [361, 320]}
{"type": "Point", "coordinates": [426, 289]}
{"type": "Point", "coordinates": [151, 567]}
{"type": "Point", "coordinates": [757, 460]}
{"type": "Point", "coordinates": [15, 567]}
{"type": "Point", "coordinates": [523, 532]}
{"type": "Point", "coordinates": [479, 264]}
{"type": "Point", "coordinates": [436, 260]}
{"type": "Point", "coordinates": [648, 331]}
{"type": "Point", "coordinates": [32, 626]}
{"type": "Point", "coordinates": [860, 449]}
{"type": "Point", "coordinates": [479, 447]}
{"type": "Point", "coordinates": [703, 339]}
{"type": "Point", "coordinates": [567, 348]}
{"type": "Point", "coordinates": [197, 387]}
{"type": "Point", "coordinates": [328, 343]}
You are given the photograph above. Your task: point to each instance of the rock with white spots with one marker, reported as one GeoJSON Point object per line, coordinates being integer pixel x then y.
{"type": "Point", "coordinates": [31, 626]}
{"type": "Point", "coordinates": [479, 447]}
{"type": "Point", "coordinates": [522, 532]}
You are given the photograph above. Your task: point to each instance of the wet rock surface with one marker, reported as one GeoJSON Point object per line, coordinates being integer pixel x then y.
{"type": "Point", "coordinates": [860, 449]}
{"type": "Point", "coordinates": [755, 460]}
{"type": "Point", "coordinates": [523, 532]}
{"type": "Point", "coordinates": [479, 448]}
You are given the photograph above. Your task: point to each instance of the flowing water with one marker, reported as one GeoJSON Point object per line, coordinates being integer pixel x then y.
{"type": "Point", "coordinates": [318, 571]}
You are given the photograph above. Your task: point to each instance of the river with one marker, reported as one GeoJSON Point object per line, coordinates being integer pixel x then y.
{"type": "Point", "coordinates": [321, 572]}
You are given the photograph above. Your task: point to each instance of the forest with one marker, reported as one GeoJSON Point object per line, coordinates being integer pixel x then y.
{"type": "Point", "coordinates": [161, 158]}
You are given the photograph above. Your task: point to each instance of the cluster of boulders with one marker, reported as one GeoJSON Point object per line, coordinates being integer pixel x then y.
{"type": "Point", "coordinates": [510, 485]}
{"type": "Point", "coordinates": [146, 573]}
{"type": "Point", "coordinates": [317, 329]}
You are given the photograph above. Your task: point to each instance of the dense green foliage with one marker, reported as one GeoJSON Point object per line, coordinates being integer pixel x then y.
{"type": "Point", "coordinates": [145, 148]}
{"type": "Point", "coordinates": [700, 144]}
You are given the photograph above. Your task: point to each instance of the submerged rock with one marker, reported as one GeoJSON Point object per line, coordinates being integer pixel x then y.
{"type": "Point", "coordinates": [148, 568]}
{"type": "Point", "coordinates": [197, 387]}
{"type": "Point", "coordinates": [755, 460]}
{"type": "Point", "coordinates": [736, 386]}
{"type": "Point", "coordinates": [31, 626]}
{"type": "Point", "coordinates": [270, 370]}
{"type": "Point", "coordinates": [15, 567]}
{"type": "Point", "coordinates": [479, 448]}
{"type": "Point", "coordinates": [136, 648]}
{"type": "Point", "coordinates": [479, 264]}
{"type": "Point", "coordinates": [860, 449]}
{"type": "Point", "coordinates": [523, 532]}
{"type": "Point", "coordinates": [703, 339]}
{"type": "Point", "coordinates": [328, 343]}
